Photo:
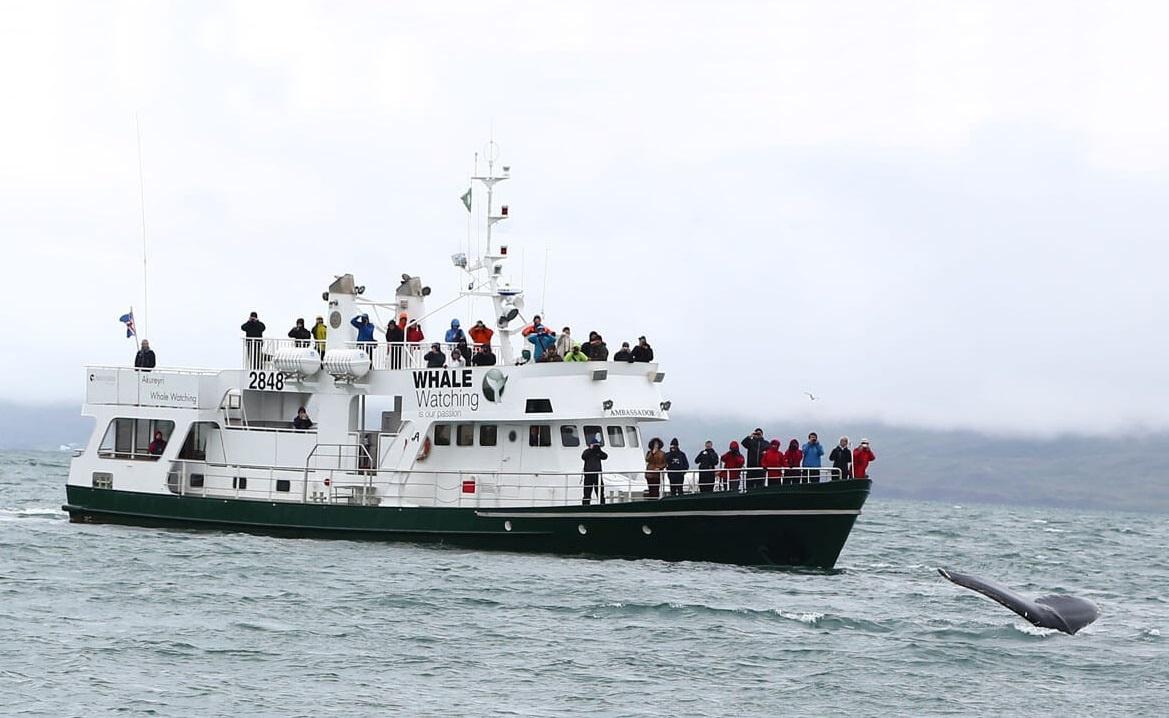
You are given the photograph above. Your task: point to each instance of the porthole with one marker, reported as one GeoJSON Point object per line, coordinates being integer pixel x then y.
{"type": "Point", "coordinates": [582, 529]}
{"type": "Point", "coordinates": [646, 530]}
{"type": "Point", "coordinates": [511, 435]}
{"type": "Point", "coordinates": [507, 526]}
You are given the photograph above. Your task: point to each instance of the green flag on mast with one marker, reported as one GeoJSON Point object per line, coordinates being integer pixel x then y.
{"type": "Point", "coordinates": [467, 199]}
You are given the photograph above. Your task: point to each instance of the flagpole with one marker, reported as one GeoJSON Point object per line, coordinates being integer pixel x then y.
{"type": "Point", "coordinates": [142, 207]}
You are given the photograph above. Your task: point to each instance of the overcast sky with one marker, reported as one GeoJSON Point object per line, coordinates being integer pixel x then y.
{"type": "Point", "coordinates": [940, 214]}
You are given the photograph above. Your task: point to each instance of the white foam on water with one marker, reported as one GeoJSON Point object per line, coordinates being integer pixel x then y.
{"type": "Point", "coordinates": [1035, 630]}
{"type": "Point", "coordinates": [809, 618]}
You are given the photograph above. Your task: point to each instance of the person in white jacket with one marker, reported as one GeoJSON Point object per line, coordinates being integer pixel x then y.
{"type": "Point", "coordinates": [564, 342]}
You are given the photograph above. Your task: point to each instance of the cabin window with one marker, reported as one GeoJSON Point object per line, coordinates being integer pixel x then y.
{"type": "Point", "coordinates": [488, 434]}
{"type": "Point", "coordinates": [539, 406]}
{"type": "Point", "coordinates": [569, 436]}
{"type": "Point", "coordinates": [616, 437]}
{"type": "Point", "coordinates": [239, 482]}
{"type": "Point", "coordinates": [539, 435]}
{"type": "Point", "coordinates": [631, 436]}
{"type": "Point", "coordinates": [131, 439]}
{"type": "Point", "coordinates": [195, 445]}
{"type": "Point", "coordinates": [442, 434]}
{"type": "Point", "coordinates": [465, 435]}
{"type": "Point", "coordinates": [592, 432]}
{"type": "Point", "coordinates": [283, 485]}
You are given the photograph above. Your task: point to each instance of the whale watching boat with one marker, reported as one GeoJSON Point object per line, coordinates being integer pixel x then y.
{"type": "Point", "coordinates": [475, 456]}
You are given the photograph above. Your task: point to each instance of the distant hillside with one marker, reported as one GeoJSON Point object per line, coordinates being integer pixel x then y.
{"type": "Point", "coordinates": [1128, 474]}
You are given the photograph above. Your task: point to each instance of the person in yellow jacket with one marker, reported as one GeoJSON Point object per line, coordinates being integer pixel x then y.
{"type": "Point", "coordinates": [576, 354]}
{"type": "Point", "coordinates": [319, 330]}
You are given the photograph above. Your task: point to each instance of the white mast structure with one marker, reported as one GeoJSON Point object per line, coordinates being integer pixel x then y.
{"type": "Point", "coordinates": [508, 300]}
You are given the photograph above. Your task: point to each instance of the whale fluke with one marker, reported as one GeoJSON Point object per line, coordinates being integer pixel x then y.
{"type": "Point", "coordinates": [1065, 613]}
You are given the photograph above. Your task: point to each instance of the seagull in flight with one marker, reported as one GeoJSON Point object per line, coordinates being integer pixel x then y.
{"type": "Point", "coordinates": [810, 395]}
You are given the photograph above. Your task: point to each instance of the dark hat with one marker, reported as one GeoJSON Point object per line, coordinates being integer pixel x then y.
{"type": "Point", "coordinates": [673, 442]}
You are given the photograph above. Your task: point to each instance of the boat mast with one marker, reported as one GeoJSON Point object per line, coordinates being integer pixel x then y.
{"type": "Point", "coordinates": [506, 299]}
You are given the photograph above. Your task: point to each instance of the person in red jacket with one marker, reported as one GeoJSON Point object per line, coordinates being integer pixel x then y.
{"type": "Point", "coordinates": [773, 460]}
{"type": "Point", "coordinates": [793, 457]}
{"type": "Point", "coordinates": [862, 456]}
{"type": "Point", "coordinates": [733, 461]}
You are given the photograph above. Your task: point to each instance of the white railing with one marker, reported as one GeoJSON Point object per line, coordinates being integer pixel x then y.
{"type": "Point", "coordinates": [257, 354]}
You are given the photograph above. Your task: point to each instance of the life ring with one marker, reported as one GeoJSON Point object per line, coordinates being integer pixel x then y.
{"type": "Point", "coordinates": [424, 450]}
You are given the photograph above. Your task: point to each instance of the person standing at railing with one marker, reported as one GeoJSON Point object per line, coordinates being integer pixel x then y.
{"type": "Point", "coordinates": [455, 333]}
{"type": "Point", "coordinates": [464, 350]}
{"type": "Point", "coordinates": [542, 339]}
{"type": "Point", "coordinates": [253, 330]}
{"type": "Point", "coordinates": [481, 333]}
{"type": "Point", "coordinates": [434, 358]}
{"type": "Point", "coordinates": [483, 356]}
{"type": "Point", "coordinates": [144, 359]}
{"type": "Point", "coordinates": [414, 339]}
{"type": "Point", "coordinates": [598, 350]}
{"type": "Point", "coordinates": [676, 466]}
{"type": "Point", "coordinates": [774, 462]}
{"type": "Point", "coordinates": [643, 352]}
{"type": "Point", "coordinates": [320, 332]}
{"type": "Point", "coordinates": [365, 338]}
{"type": "Point", "coordinates": [300, 334]}
{"type": "Point", "coordinates": [301, 420]}
{"type": "Point", "coordinates": [732, 464]}
{"type": "Point", "coordinates": [706, 462]}
{"type": "Point", "coordinates": [565, 343]}
{"type": "Point", "coordinates": [813, 451]}
{"type": "Point", "coordinates": [395, 336]}
{"type": "Point", "coordinates": [655, 464]}
{"type": "Point", "coordinates": [593, 456]}
{"type": "Point", "coordinates": [793, 457]}
{"type": "Point", "coordinates": [574, 354]}
{"type": "Point", "coordinates": [623, 354]}
{"type": "Point", "coordinates": [841, 458]}
{"type": "Point", "coordinates": [755, 444]}
{"type": "Point", "coordinates": [456, 361]}
{"type": "Point", "coordinates": [862, 456]}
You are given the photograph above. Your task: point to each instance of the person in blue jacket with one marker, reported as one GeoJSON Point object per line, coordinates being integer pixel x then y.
{"type": "Point", "coordinates": [542, 340]}
{"type": "Point", "coordinates": [812, 453]}
{"type": "Point", "coordinates": [454, 335]}
{"type": "Point", "coordinates": [364, 333]}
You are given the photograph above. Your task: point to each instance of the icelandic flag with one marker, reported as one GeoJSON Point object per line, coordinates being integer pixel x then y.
{"type": "Point", "coordinates": [128, 320]}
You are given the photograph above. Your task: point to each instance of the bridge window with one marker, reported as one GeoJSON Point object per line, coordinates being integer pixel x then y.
{"type": "Point", "coordinates": [465, 435]}
{"type": "Point", "coordinates": [592, 432]}
{"type": "Point", "coordinates": [539, 435]}
{"type": "Point", "coordinates": [539, 406]}
{"type": "Point", "coordinates": [569, 436]}
{"type": "Point", "coordinates": [442, 434]}
{"type": "Point", "coordinates": [616, 437]}
{"type": "Point", "coordinates": [631, 436]}
{"type": "Point", "coordinates": [488, 434]}
{"type": "Point", "coordinates": [131, 439]}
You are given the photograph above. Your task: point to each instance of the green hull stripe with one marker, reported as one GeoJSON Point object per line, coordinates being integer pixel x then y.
{"type": "Point", "coordinates": [664, 514]}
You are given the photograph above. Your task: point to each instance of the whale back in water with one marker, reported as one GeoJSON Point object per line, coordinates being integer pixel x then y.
{"type": "Point", "coordinates": [1065, 613]}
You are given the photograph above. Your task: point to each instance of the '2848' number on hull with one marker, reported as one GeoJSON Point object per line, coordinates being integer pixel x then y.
{"type": "Point", "coordinates": [266, 380]}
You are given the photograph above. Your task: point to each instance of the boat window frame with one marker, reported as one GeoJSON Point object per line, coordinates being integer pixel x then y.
{"type": "Point", "coordinates": [570, 438]}
{"type": "Point", "coordinates": [632, 437]}
{"type": "Point", "coordinates": [469, 429]}
{"type": "Point", "coordinates": [488, 429]}
{"type": "Point", "coordinates": [442, 434]}
{"type": "Point", "coordinates": [588, 435]}
{"type": "Point", "coordinates": [130, 427]}
{"type": "Point", "coordinates": [615, 434]}
{"type": "Point", "coordinates": [539, 435]}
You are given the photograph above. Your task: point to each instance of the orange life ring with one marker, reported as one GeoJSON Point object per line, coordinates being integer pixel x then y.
{"type": "Point", "coordinates": [424, 450]}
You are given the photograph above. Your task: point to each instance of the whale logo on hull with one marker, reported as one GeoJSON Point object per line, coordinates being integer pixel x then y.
{"type": "Point", "coordinates": [494, 382]}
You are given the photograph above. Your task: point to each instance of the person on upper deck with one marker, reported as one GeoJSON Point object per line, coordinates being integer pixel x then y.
{"type": "Point", "coordinates": [587, 347]}
{"type": "Point", "coordinates": [158, 445]}
{"type": "Point", "coordinates": [754, 443]}
{"type": "Point", "coordinates": [598, 350]}
{"type": "Point", "coordinates": [320, 333]}
{"type": "Point", "coordinates": [862, 456]}
{"type": "Point", "coordinates": [732, 464]}
{"type": "Point", "coordinates": [794, 458]}
{"type": "Point", "coordinates": [454, 334]}
{"type": "Point", "coordinates": [813, 450]}
{"type": "Point", "coordinates": [364, 333]}
{"type": "Point", "coordinates": [706, 461]}
{"type": "Point", "coordinates": [253, 330]}
{"type": "Point", "coordinates": [841, 458]}
{"type": "Point", "coordinates": [655, 464]}
{"type": "Point", "coordinates": [300, 334]}
{"type": "Point", "coordinates": [593, 456]}
{"type": "Point", "coordinates": [456, 360]}
{"type": "Point", "coordinates": [565, 343]}
{"type": "Point", "coordinates": [462, 348]}
{"type": "Point", "coordinates": [481, 333]}
{"type": "Point", "coordinates": [301, 420]}
{"type": "Point", "coordinates": [676, 466]}
{"type": "Point", "coordinates": [483, 356]}
{"type": "Point", "coordinates": [536, 325]}
{"type": "Point", "coordinates": [395, 337]}
{"type": "Point", "coordinates": [434, 358]}
{"type": "Point", "coordinates": [550, 355]}
{"type": "Point", "coordinates": [623, 354]}
{"type": "Point", "coordinates": [574, 354]}
{"type": "Point", "coordinates": [414, 334]}
{"type": "Point", "coordinates": [643, 351]}
{"type": "Point", "coordinates": [542, 339]}
{"type": "Point", "coordinates": [144, 359]}
{"type": "Point", "coordinates": [773, 461]}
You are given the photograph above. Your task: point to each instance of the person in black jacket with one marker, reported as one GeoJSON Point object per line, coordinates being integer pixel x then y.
{"type": "Point", "coordinates": [593, 456]}
{"type": "Point", "coordinates": [300, 334]}
{"type": "Point", "coordinates": [623, 354]}
{"type": "Point", "coordinates": [253, 329]}
{"type": "Point", "coordinates": [676, 466]}
{"type": "Point", "coordinates": [841, 458]}
{"type": "Point", "coordinates": [707, 462]}
{"type": "Point", "coordinates": [301, 420]}
{"type": "Point", "coordinates": [755, 444]}
{"type": "Point", "coordinates": [395, 336]}
{"type": "Point", "coordinates": [144, 359]}
{"type": "Point", "coordinates": [434, 358]}
{"type": "Point", "coordinates": [643, 351]}
{"type": "Point", "coordinates": [483, 356]}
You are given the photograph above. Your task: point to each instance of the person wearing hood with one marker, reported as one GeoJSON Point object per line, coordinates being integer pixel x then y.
{"type": "Point", "coordinates": [623, 354]}
{"type": "Point", "coordinates": [754, 443]}
{"type": "Point", "coordinates": [481, 333]}
{"type": "Point", "coordinates": [456, 361]}
{"type": "Point", "coordinates": [574, 354]}
{"type": "Point", "coordinates": [773, 461]}
{"type": "Point", "coordinates": [592, 457]}
{"type": "Point", "coordinates": [812, 453]}
{"type": "Point", "coordinates": [300, 334]}
{"type": "Point", "coordinates": [793, 458]}
{"type": "Point", "coordinates": [565, 343]}
{"type": "Point", "coordinates": [320, 333]}
{"type": "Point", "coordinates": [395, 337]}
{"type": "Point", "coordinates": [841, 458]}
{"type": "Point", "coordinates": [463, 348]}
{"type": "Point", "coordinates": [733, 462]}
{"type": "Point", "coordinates": [706, 462]}
{"type": "Point", "coordinates": [365, 333]}
{"type": "Point", "coordinates": [643, 352]}
{"type": "Point", "coordinates": [676, 466]}
{"type": "Point", "coordinates": [598, 350]}
{"type": "Point", "coordinates": [655, 464]}
{"type": "Point", "coordinates": [862, 456]}
{"type": "Point", "coordinates": [454, 335]}
{"type": "Point", "coordinates": [158, 445]}
{"type": "Point", "coordinates": [541, 340]}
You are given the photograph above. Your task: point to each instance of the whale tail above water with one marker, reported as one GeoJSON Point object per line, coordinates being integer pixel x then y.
{"type": "Point", "coordinates": [1065, 613]}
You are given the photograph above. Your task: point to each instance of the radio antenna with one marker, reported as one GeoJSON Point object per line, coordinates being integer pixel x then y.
{"type": "Point", "coordinates": [142, 207]}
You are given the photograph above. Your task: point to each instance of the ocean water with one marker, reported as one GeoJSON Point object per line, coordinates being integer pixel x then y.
{"type": "Point", "coordinates": [98, 620]}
